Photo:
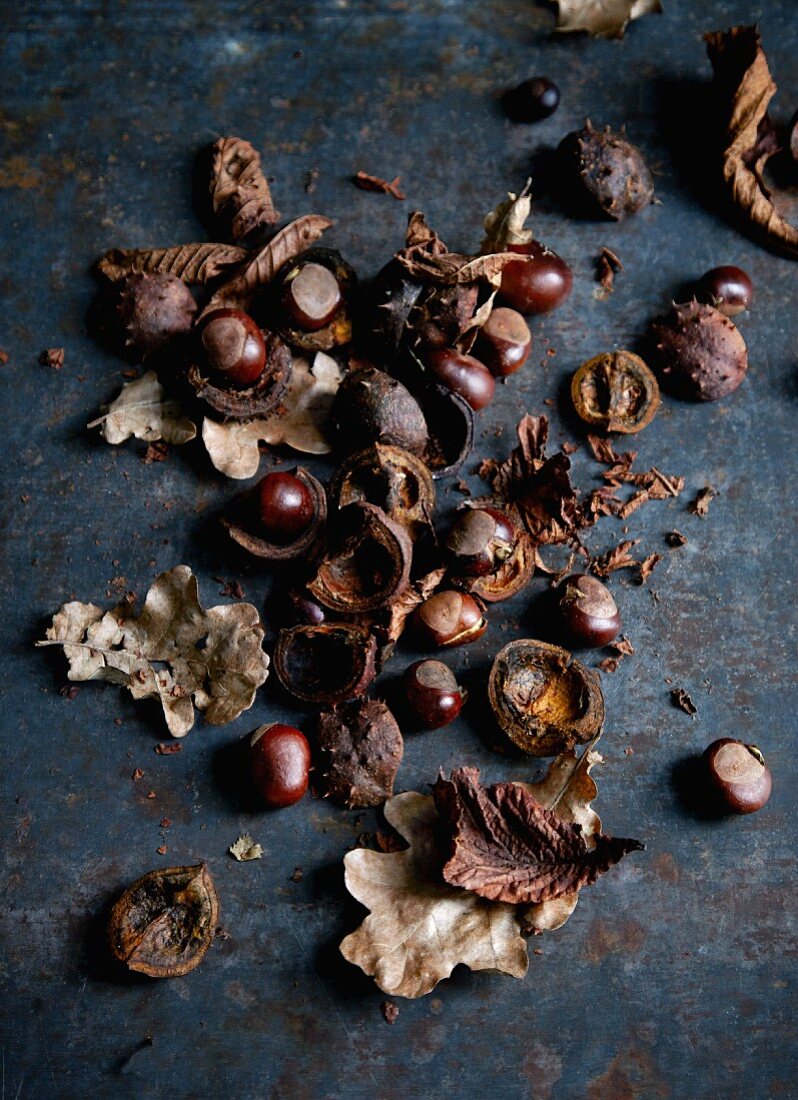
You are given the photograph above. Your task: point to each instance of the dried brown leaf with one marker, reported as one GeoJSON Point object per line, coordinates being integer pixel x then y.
{"type": "Point", "coordinates": [742, 76]}
{"type": "Point", "coordinates": [675, 539]}
{"type": "Point", "coordinates": [174, 650]}
{"type": "Point", "coordinates": [647, 566]}
{"type": "Point", "coordinates": [374, 183]}
{"type": "Point", "coordinates": [419, 928]}
{"type": "Point", "coordinates": [700, 505]}
{"type": "Point", "coordinates": [239, 189]}
{"type": "Point", "coordinates": [506, 224]}
{"type": "Point", "coordinates": [607, 265]}
{"type": "Point", "coordinates": [141, 411]}
{"type": "Point", "coordinates": [617, 558]}
{"type": "Point", "coordinates": [603, 18]}
{"type": "Point", "coordinates": [193, 263]}
{"type": "Point", "coordinates": [425, 258]}
{"type": "Point", "coordinates": [53, 358]}
{"type": "Point", "coordinates": [682, 700]}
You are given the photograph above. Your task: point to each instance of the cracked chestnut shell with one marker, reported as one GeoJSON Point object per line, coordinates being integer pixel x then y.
{"type": "Point", "coordinates": [586, 613]}
{"type": "Point", "coordinates": [395, 480]}
{"type": "Point", "coordinates": [317, 331]}
{"type": "Point", "coordinates": [242, 403]}
{"type": "Point", "coordinates": [616, 392]}
{"type": "Point", "coordinates": [244, 524]}
{"type": "Point", "coordinates": [604, 172]}
{"type": "Point", "coordinates": [450, 426]}
{"type": "Point", "coordinates": [371, 406]}
{"type": "Point", "coordinates": [739, 775]}
{"type": "Point", "coordinates": [165, 922]}
{"type": "Point", "coordinates": [328, 663]}
{"type": "Point", "coordinates": [359, 750]}
{"type": "Point", "coordinates": [154, 310]}
{"type": "Point", "coordinates": [449, 618]}
{"type": "Point", "coordinates": [479, 541]}
{"type": "Point", "coordinates": [511, 577]}
{"type": "Point", "coordinates": [698, 352]}
{"type": "Point", "coordinates": [543, 700]}
{"type": "Point", "coordinates": [365, 561]}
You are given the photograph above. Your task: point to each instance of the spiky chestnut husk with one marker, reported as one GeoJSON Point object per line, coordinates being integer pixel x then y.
{"type": "Point", "coordinates": [605, 172]}
{"type": "Point", "coordinates": [153, 310]}
{"type": "Point", "coordinates": [698, 352]}
{"type": "Point", "coordinates": [360, 749]}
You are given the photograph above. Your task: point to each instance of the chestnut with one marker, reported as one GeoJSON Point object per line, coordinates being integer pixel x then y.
{"type": "Point", "coordinates": [450, 618]}
{"type": "Point", "coordinates": [532, 100]}
{"type": "Point", "coordinates": [432, 696]}
{"type": "Point", "coordinates": [462, 374]}
{"type": "Point", "coordinates": [739, 775]}
{"type": "Point", "coordinates": [504, 342]}
{"type": "Point", "coordinates": [285, 507]}
{"type": "Point", "coordinates": [233, 345]}
{"type": "Point", "coordinates": [279, 759]}
{"type": "Point", "coordinates": [586, 614]}
{"type": "Point", "coordinates": [727, 288]}
{"type": "Point", "coordinates": [311, 295]}
{"type": "Point", "coordinates": [479, 540]}
{"type": "Point", "coordinates": [538, 283]}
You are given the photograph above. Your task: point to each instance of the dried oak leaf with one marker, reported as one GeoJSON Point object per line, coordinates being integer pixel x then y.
{"type": "Point", "coordinates": [239, 189]}
{"type": "Point", "coordinates": [245, 848]}
{"type": "Point", "coordinates": [743, 78]}
{"type": "Point", "coordinates": [603, 18]}
{"type": "Point", "coordinates": [426, 258]}
{"type": "Point", "coordinates": [506, 846]}
{"type": "Point", "coordinates": [419, 928]}
{"type": "Point", "coordinates": [193, 263]}
{"type": "Point", "coordinates": [141, 411]}
{"type": "Point", "coordinates": [174, 650]}
{"type": "Point", "coordinates": [300, 421]}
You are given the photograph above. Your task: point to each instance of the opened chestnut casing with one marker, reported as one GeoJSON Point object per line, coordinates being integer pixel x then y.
{"type": "Point", "coordinates": [395, 480]}
{"type": "Point", "coordinates": [336, 332]}
{"type": "Point", "coordinates": [241, 525]}
{"type": "Point", "coordinates": [325, 663]}
{"type": "Point", "coordinates": [256, 400]}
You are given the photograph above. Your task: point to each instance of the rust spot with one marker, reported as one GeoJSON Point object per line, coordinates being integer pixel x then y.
{"type": "Point", "coordinates": [665, 867]}
{"type": "Point", "coordinates": [631, 1075]}
{"type": "Point", "coordinates": [619, 937]}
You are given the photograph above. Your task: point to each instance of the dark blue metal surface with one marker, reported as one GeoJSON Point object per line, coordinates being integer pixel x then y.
{"type": "Point", "coordinates": [676, 975]}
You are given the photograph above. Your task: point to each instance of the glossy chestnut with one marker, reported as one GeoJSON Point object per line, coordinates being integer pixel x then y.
{"type": "Point", "coordinates": [233, 346]}
{"type": "Point", "coordinates": [727, 288]}
{"type": "Point", "coordinates": [586, 615]}
{"type": "Point", "coordinates": [462, 374]}
{"type": "Point", "coordinates": [285, 507]}
{"type": "Point", "coordinates": [739, 775]}
{"type": "Point", "coordinates": [538, 283]}
{"type": "Point", "coordinates": [479, 541]}
{"type": "Point", "coordinates": [280, 763]}
{"type": "Point", "coordinates": [432, 696]}
{"type": "Point", "coordinates": [450, 618]}
{"type": "Point", "coordinates": [504, 342]}
{"type": "Point", "coordinates": [532, 100]}
{"type": "Point", "coordinates": [311, 295]}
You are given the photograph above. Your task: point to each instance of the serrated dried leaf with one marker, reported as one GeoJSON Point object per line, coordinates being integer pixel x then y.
{"type": "Point", "coordinates": [193, 263]}
{"type": "Point", "coordinates": [603, 18]}
{"type": "Point", "coordinates": [425, 258]}
{"type": "Point", "coordinates": [419, 928]}
{"type": "Point", "coordinates": [174, 650]}
{"type": "Point", "coordinates": [292, 239]}
{"type": "Point", "coordinates": [506, 224]}
{"type": "Point", "coordinates": [617, 558]}
{"type": "Point", "coordinates": [245, 848]}
{"type": "Point", "coordinates": [300, 422]}
{"type": "Point", "coordinates": [742, 76]}
{"type": "Point", "coordinates": [141, 411]}
{"type": "Point", "coordinates": [239, 189]}
{"type": "Point", "coordinates": [506, 846]}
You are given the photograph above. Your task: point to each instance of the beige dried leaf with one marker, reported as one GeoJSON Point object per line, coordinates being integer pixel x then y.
{"type": "Point", "coordinates": [419, 928]}
{"type": "Point", "coordinates": [141, 411]}
{"type": "Point", "coordinates": [175, 650]}
{"type": "Point", "coordinates": [300, 423]}
{"type": "Point", "coordinates": [245, 848]}
{"type": "Point", "coordinates": [506, 224]}
{"type": "Point", "coordinates": [603, 18]}
{"type": "Point", "coordinates": [239, 189]}
{"type": "Point", "coordinates": [193, 263]}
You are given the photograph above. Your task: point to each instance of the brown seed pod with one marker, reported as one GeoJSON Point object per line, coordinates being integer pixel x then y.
{"type": "Point", "coordinates": [242, 524]}
{"type": "Point", "coordinates": [328, 324]}
{"type": "Point", "coordinates": [544, 700]}
{"type": "Point", "coordinates": [154, 310]}
{"type": "Point", "coordinates": [509, 579]}
{"type": "Point", "coordinates": [605, 173]}
{"type": "Point", "coordinates": [256, 400]}
{"type": "Point", "coordinates": [328, 663]}
{"type": "Point", "coordinates": [616, 392]}
{"type": "Point", "coordinates": [698, 352]}
{"type": "Point", "coordinates": [165, 922]}
{"type": "Point", "coordinates": [450, 618]}
{"type": "Point", "coordinates": [371, 406]}
{"type": "Point", "coordinates": [364, 563]}
{"type": "Point", "coordinates": [395, 480]}
{"type": "Point", "coordinates": [360, 749]}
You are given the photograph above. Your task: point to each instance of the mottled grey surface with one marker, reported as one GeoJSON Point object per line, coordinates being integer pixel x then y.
{"type": "Point", "coordinates": [676, 975]}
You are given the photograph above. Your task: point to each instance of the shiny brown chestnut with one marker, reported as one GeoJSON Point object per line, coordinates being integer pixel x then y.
{"type": "Point", "coordinates": [586, 614]}
{"type": "Point", "coordinates": [504, 342]}
{"type": "Point", "coordinates": [311, 295]}
{"type": "Point", "coordinates": [432, 696]}
{"type": "Point", "coordinates": [279, 758]}
{"type": "Point", "coordinates": [272, 519]}
{"type": "Point", "coordinates": [727, 288]}
{"type": "Point", "coordinates": [538, 282]}
{"type": "Point", "coordinates": [285, 507]}
{"type": "Point", "coordinates": [532, 100]}
{"type": "Point", "coordinates": [479, 540]}
{"type": "Point", "coordinates": [233, 346]}
{"type": "Point", "coordinates": [739, 775]}
{"type": "Point", "coordinates": [450, 618]}
{"type": "Point", "coordinates": [463, 374]}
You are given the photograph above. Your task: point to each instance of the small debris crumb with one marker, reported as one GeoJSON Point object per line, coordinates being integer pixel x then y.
{"type": "Point", "coordinates": [52, 357]}
{"type": "Point", "coordinates": [389, 1011]}
{"type": "Point", "coordinates": [681, 699]}
{"type": "Point", "coordinates": [700, 505]}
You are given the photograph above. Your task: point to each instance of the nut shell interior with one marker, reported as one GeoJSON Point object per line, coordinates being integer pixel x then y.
{"type": "Point", "coordinates": [615, 391]}
{"type": "Point", "coordinates": [325, 663]}
{"type": "Point", "coordinates": [256, 400]}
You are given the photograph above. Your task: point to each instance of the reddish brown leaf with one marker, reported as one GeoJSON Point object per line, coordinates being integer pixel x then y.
{"type": "Point", "coordinates": [373, 183]}
{"type": "Point", "coordinates": [703, 499]}
{"type": "Point", "coordinates": [239, 190]}
{"type": "Point", "coordinates": [647, 566]}
{"type": "Point", "coordinates": [53, 358]}
{"type": "Point", "coordinates": [617, 558]}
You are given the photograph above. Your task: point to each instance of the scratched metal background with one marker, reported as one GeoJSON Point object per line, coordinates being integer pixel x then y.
{"type": "Point", "coordinates": [676, 975]}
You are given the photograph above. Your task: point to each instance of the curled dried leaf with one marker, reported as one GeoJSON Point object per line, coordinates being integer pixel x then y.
{"type": "Point", "coordinates": [426, 259]}
{"type": "Point", "coordinates": [245, 848]}
{"type": "Point", "coordinates": [603, 18]}
{"type": "Point", "coordinates": [506, 225]}
{"type": "Point", "coordinates": [141, 411]}
{"type": "Point", "coordinates": [239, 189]}
{"type": "Point", "coordinates": [193, 263]}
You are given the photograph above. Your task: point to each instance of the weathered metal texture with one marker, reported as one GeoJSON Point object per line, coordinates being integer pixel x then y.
{"type": "Point", "coordinates": [675, 977]}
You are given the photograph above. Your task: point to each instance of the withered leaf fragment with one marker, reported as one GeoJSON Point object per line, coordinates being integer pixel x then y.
{"type": "Point", "coordinates": [682, 700]}
{"type": "Point", "coordinates": [193, 263]}
{"type": "Point", "coordinates": [617, 558]}
{"type": "Point", "coordinates": [506, 224]}
{"type": "Point", "coordinates": [743, 79]}
{"type": "Point", "coordinates": [506, 846]}
{"type": "Point", "coordinates": [245, 848]}
{"type": "Point", "coordinates": [53, 358]}
{"type": "Point", "coordinates": [374, 183]}
{"type": "Point", "coordinates": [700, 505]}
{"type": "Point", "coordinates": [426, 258]}
{"type": "Point", "coordinates": [174, 650]}
{"type": "Point", "coordinates": [607, 265]}
{"type": "Point", "coordinates": [239, 189]}
{"type": "Point", "coordinates": [165, 922]}
{"type": "Point", "coordinates": [603, 18]}
{"type": "Point", "coordinates": [647, 566]}
{"type": "Point", "coordinates": [419, 928]}
{"type": "Point", "coordinates": [141, 410]}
